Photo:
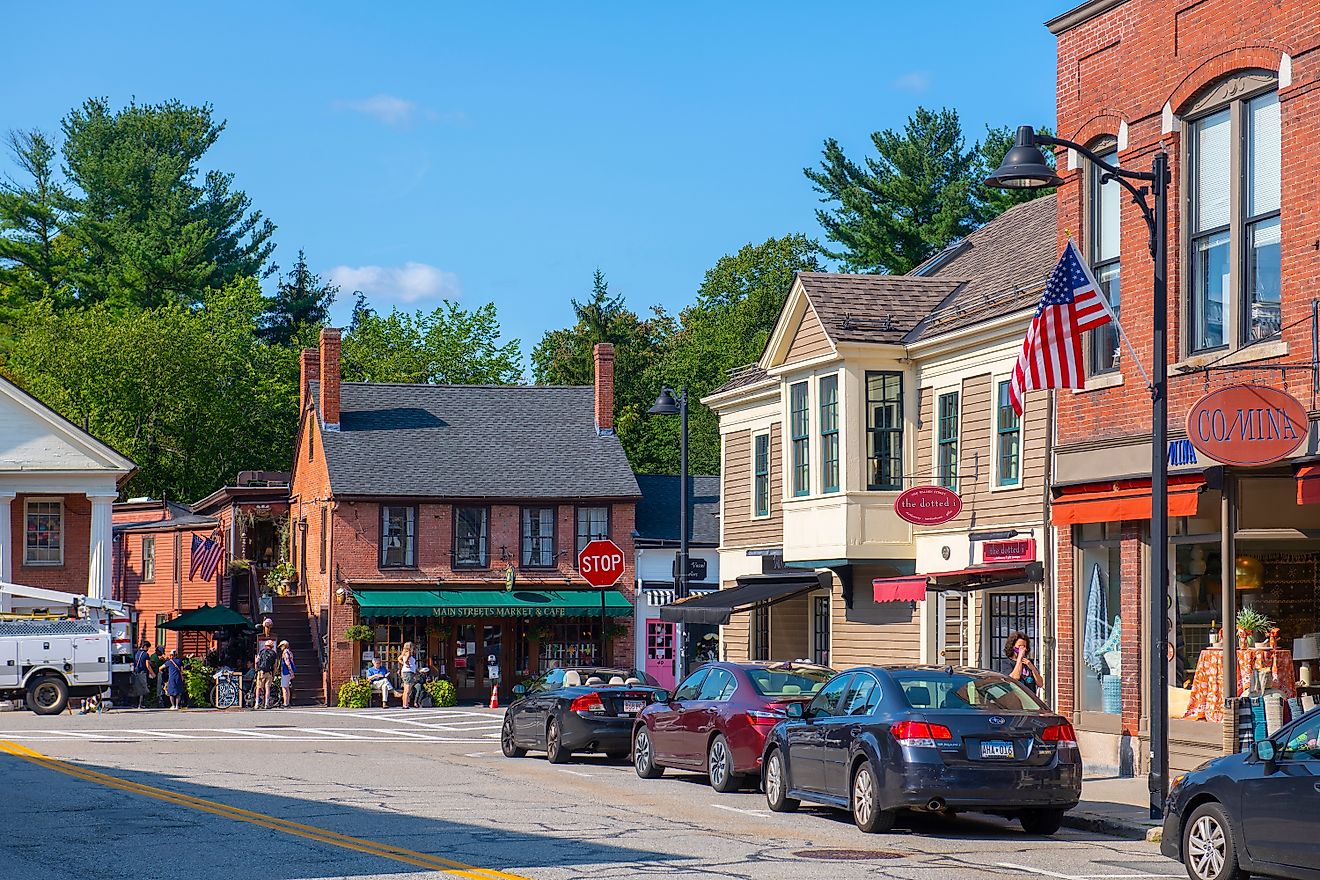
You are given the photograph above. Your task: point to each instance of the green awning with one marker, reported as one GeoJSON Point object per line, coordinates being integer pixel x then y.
{"type": "Point", "coordinates": [207, 617]}
{"type": "Point", "coordinates": [490, 603]}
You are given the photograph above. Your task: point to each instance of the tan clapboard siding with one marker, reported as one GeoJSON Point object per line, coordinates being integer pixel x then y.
{"type": "Point", "coordinates": [810, 340]}
{"type": "Point", "coordinates": [734, 637]}
{"type": "Point", "coordinates": [790, 629]}
{"type": "Point", "coordinates": [925, 435]}
{"type": "Point", "coordinates": [860, 644]}
{"type": "Point", "coordinates": [741, 529]}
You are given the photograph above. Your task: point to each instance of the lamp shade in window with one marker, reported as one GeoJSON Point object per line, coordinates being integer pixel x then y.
{"type": "Point", "coordinates": [1250, 573]}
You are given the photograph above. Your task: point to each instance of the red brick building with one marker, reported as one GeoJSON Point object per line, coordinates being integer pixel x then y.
{"type": "Point", "coordinates": [1232, 92]}
{"type": "Point", "coordinates": [450, 516]}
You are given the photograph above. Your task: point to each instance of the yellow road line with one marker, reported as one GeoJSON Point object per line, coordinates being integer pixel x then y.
{"type": "Point", "coordinates": [308, 832]}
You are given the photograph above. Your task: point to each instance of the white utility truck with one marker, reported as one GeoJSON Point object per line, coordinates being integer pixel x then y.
{"type": "Point", "coordinates": [56, 645]}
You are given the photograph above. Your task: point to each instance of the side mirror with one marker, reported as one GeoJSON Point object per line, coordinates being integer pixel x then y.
{"type": "Point", "coordinates": [519, 690]}
{"type": "Point", "coordinates": [662, 696]}
{"type": "Point", "coordinates": [1264, 751]}
{"type": "Point", "coordinates": [795, 711]}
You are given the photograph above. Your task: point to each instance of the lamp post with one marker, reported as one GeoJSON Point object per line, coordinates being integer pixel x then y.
{"type": "Point", "coordinates": [667, 404]}
{"type": "Point", "coordinates": [1024, 167]}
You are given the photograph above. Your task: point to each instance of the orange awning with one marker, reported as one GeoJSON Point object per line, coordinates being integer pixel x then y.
{"type": "Point", "coordinates": [1123, 500]}
{"type": "Point", "coordinates": [1308, 484]}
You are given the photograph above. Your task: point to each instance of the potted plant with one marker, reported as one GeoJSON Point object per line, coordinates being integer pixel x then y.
{"type": "Point", "coordinates": [1254, 625]}
{"type": "Point", "coordinates": [280, 577]}
{"type": "Point", "coordinates": [359, 632]}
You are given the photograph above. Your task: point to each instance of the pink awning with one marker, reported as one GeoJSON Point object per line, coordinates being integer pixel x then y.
{"type": "Point", "coordinates": [899, 589]}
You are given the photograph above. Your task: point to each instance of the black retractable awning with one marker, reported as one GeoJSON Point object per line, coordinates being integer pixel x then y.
{"type": "Point", "coordinates": [754, 589]}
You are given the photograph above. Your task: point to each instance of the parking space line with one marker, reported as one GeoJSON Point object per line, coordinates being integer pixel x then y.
{"type": "Point", "coordinates": [740, 810]}
{"type": "Point", "coordinates": [163, 733]}
{"type": "Point", "coordinates": [1045, 873]}
{"type": "Point", "coordinates": [243, 731]}
{"type": "Point", "coordinates": [576, 773]}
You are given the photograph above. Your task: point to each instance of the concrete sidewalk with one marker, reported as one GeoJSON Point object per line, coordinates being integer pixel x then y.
{"type": "Point", "coordinates": [1116, 807]}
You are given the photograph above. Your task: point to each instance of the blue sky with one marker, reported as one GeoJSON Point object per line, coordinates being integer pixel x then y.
{"type": "Point", "coordinates": [502, 152]}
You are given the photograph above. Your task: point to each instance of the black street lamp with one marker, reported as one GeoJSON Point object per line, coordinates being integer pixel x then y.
{"type": "Point", "coordinates": [1024, 167]}
{"type": "Point", "coordinates": [667, 405]}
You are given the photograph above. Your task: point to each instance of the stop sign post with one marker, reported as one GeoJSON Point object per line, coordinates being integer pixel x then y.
{"type": "Point", "coordinates": [601, 564]}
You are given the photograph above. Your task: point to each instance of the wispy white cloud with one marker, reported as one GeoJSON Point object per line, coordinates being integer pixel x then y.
{"type": "Point", "coordinates": [398, 112]}
{"type": "Point", "coordinates": [913, 81]}
{"type": "Point", "coordinates": [408, 284]}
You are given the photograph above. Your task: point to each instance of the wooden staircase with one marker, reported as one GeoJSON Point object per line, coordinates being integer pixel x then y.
{"type": "Point", "coordinates": [293, 626]}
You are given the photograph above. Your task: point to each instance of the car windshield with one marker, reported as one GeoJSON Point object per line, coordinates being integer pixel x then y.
{"type": "Point", "coordinates": [788, 682]}
{"type": "Point", "coordinates": [960, 690]}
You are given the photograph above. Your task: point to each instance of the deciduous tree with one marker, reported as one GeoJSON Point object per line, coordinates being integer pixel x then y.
{"type": "Point", "coordinates": [449, 345]}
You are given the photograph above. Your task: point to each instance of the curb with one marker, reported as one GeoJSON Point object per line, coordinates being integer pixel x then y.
{"type": "Point", "coordinates": [1111, 826]}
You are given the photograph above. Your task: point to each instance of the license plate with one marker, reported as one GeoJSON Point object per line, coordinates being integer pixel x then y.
{"type": "Point", "coordinates": [996, 748]}
{"type": "Point", "coordinates": [632, 707]}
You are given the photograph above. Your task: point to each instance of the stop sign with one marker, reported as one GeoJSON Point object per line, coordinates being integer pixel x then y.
{"type": "Point", "coordinates": [601, 563]}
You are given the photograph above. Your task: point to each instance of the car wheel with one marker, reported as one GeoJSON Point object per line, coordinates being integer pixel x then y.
{"type": "Point", "coordinates": [644, 755]}
{"type": "Point", "coordinates": [866, 802]}
{"type": "Point", "coordinates": [776, 785]}
{"type": "Point", "coordinates": [1041, 821]}
{"type": "Point", "coordinates": [47, 695]}
{"type": "Point", "coordinates": [507, 745]}
{"type": "Point", "coordinates": [555, 752]}
{"type": "Point", "coordinates": [719, 766]}
{"type": "Point", "coordinates": [1208, 849]}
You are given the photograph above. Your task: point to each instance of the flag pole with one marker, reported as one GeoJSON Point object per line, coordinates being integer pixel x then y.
{"type": "Point", "coordinates": [1110, 311]}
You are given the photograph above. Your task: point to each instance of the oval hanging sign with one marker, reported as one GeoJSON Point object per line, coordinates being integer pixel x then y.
{"type": "Point", "coordinates": [1247, 425]}
{"type": "Point", "coordinates": [928, 505]}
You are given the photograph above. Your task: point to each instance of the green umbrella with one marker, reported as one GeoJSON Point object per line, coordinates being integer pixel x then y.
{"type": "Point", "coordinates": [207, 618]}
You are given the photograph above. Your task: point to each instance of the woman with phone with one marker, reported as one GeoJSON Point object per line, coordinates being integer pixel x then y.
{"type": "Point", "coordinates": [1018, 649]}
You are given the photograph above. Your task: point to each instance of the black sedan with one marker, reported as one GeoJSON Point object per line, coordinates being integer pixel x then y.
{"type": "Point", "coordinates": [1252, 812]}
{"type": "Point", "coordinates": [878, 740]}
{"type": "Point", "coordinates": [586, 709]}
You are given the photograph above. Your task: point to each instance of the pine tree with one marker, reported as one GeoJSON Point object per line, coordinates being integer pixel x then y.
{"type": "Point", "coordinates": [300, 306]}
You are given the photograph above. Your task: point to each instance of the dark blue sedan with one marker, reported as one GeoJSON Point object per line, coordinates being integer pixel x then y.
{"type": "Point", "coordinates": [881, 739]}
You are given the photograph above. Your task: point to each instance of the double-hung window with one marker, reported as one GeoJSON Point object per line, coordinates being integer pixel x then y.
{"type": "Point", "coordinates": [884, 431]}
{"type": "Point", "coordinates": [829, 433]}
{"type": "Point", "coordinates": [947, 440]}
{"type": "Point", "coordinates": [398, 536]}
{"type": "Point", "coordinates": [799, 416]}
{"type": "Point", "coordinates": [761, 475]}
{"type": "Point", "coordinates": [593, 523]}
{"type": "Point", "coordinates": [1008, 440]}
{"type": "Point", "coordinates": [149, 559]}
{"type": "Point", "coordinates": [43, 532]}
{"type": "Point", "coordinates": [1103, 354]}
{"type": "Point", "coordinates": [538, 537]}
{"type": "Point", "coordinates": [1235, 183]}
{"type": "Point", "coordinates": [471, 537]}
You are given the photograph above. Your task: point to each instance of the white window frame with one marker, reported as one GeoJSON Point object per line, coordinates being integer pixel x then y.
{"type": "Point", "coordinates": [769, 481]}
{"type": "Point", "coordinates": [837, 433]}
{"type": "Point", "coordinates": [790, 439]}
{"type": "Point", "coordinates": [27, 512]}
{"type": "Point", "coordinates": [995, 485]}
{"type": "Point", "coordinates": [936, 394]}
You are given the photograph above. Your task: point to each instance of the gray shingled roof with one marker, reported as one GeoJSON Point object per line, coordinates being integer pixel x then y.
{"type": "Point", "coordinates": [657, 512]}
{"type": "Point", "coordinates": [873, 308]}
{"type": "Point", "coordinates": [473, 441]}
{"type": "Point", "coordinates": [743, 377]}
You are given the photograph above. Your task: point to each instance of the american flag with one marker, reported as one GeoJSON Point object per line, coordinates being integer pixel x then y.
{"type": "Point", "coordinates": [206, 553]}
{"type": "Point", "coordinates": [1051, 355]}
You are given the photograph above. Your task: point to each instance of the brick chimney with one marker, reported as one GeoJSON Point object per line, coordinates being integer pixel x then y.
{"type": "Point", "coordinates": [604, 354]}
{"type": "Point", "coordinates": [330, 378]}
{"type": "Point", "coordinates": [309, 370]}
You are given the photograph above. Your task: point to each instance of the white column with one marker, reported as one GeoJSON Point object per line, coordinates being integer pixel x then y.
{"type": "Point", "coordinates": [98, 568]}
{"type": "Point", "coordinates": [6, 538]}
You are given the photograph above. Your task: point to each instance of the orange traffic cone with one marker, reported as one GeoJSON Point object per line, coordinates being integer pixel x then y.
{"type": "Point", "coordinates": [495, 696]}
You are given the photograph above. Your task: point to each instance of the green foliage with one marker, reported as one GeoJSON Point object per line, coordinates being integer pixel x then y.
{"type": "Point", "coordinates": [151, 228]}
{"type": "Point", "coordinates": [355, 694]}
{"type": "Point", "coordinates": [197, 682]}
{"type": "Point", "coordinates": [922, 190]}
{"type": "Point", "coordinates": [34, 256]}
{"type": "Point", "coordinates": [300, 306]}
{"type": "Point", "coordinates": [359, 632]}
{"type": "Point", "coordinates": [281, 577]}
{"type": "Point", "coordinates": [1252, 621]}
{"type": "Point", "coordinates": [190, 394]}
{"type": "Point", "coordinates": [442, 692]}
{"type": "Point", "coordinates": [449, 345]}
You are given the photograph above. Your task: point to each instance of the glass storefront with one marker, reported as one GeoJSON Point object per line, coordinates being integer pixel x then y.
{"type": "Point", "coordinates": [1100, 601]}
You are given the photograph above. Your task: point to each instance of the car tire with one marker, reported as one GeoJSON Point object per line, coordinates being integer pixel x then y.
{"type": "Point", "coordinates": [555, 752]}
{"type": "Point", "coordinates": [643, 755]}
{"type": "Point", "coordinates": [1042, 822]}
{"type": "Point", "coordinates": [1209, 852]}
{"type": "Point", "coordinates": [865, 802]}
{"type": "Point", "coordinates": [48, 695]}
{"type": "Point", "coordinates": [719, 766]}
{"type": "Point", "coordinates": [776, 784]}
{"type": "Point", "coordinates": [507, 745]}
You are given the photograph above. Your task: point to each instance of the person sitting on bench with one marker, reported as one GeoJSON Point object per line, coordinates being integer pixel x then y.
{"type": "Point", "coordinates": [379, 679]}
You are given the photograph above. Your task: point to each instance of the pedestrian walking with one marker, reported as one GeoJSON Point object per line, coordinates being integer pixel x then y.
{"type": "Point", "coordinates": [287, 670]}
{"type": "Point", "coordinates": [141, 676]}
{"type": "Point", "coordinates": [174, 680]}
{"type": "Point", "coordinates": [407, 672]}
{"type": "Point", "coordinates": [156, 663]}
{"type": "Point", "coordinates": [264, 663]}
{"type": "Point", "coordinates": [267, 632]}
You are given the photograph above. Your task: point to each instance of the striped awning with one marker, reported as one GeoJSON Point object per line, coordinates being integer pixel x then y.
{"type": "Point", "coordinates": [665, 595]}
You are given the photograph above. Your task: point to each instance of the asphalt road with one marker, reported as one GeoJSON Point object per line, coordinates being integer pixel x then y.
{"type": "Point", "coordinates": [320, 793]}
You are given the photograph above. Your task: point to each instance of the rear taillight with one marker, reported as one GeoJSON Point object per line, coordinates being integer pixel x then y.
{"type": "Point", "coordinates": [920, 733]}
{"type": "Point", "coordinates": [1061, 734]}
{"type": "Point", "coordinates": [587, 703]}
{"type": "Point", "coordinates": [768, 717]}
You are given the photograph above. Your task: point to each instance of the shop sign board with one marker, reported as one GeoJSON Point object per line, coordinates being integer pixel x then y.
{"type": "Point", "coordinates": [1019, 550]}
{"type": "Point", "coordinates": [1247, 425]}
{"type": "Point", "coordinates": [601, 563]}
{"type": "Point", "coordinates": [928, 505]}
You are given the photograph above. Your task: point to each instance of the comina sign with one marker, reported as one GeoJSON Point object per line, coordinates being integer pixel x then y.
{"type": "Point", "coordinates": [1247, 425]}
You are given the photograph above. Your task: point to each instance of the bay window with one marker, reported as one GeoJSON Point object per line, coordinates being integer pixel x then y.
{"type": "Point", "coordinates": [799, 420]}
{"type": "Point", "coordinates": [884, 431]}
{"type": "Point", "coordinates": [829, 433]}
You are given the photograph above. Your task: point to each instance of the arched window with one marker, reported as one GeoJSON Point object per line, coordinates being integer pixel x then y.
{"type": "Point", "coordinates": [1102, 249]}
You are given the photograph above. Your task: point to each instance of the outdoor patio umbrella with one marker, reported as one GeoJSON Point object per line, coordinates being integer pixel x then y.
{"type": "Point", "coordinates": [207, 618]}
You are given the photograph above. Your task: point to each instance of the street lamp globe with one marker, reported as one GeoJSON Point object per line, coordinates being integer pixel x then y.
{"type": "Point", "coordinates": [1024, 166]}
{"type": "Point", "coordinates": [665, 405]}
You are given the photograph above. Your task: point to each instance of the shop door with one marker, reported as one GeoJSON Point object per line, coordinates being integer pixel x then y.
{"type": "Point", "coordinates": [465, 667]}
{"type": "Point", "coordinates": [1007, 613]}
{"type": "Point", "coordinates": [660, 652]}
{"type": "Point", "coordinates": [492, 658]}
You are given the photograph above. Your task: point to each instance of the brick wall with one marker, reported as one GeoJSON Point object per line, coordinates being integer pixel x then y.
{"type": "Point", "coordinates": [70, 576]}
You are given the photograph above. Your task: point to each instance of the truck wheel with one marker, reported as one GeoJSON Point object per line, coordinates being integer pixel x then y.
{"type": "Point", "coordinates": [47, 695]}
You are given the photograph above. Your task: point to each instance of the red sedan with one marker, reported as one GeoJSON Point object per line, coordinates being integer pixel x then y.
{"type": "Point", "coordinates": [717, 720]}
